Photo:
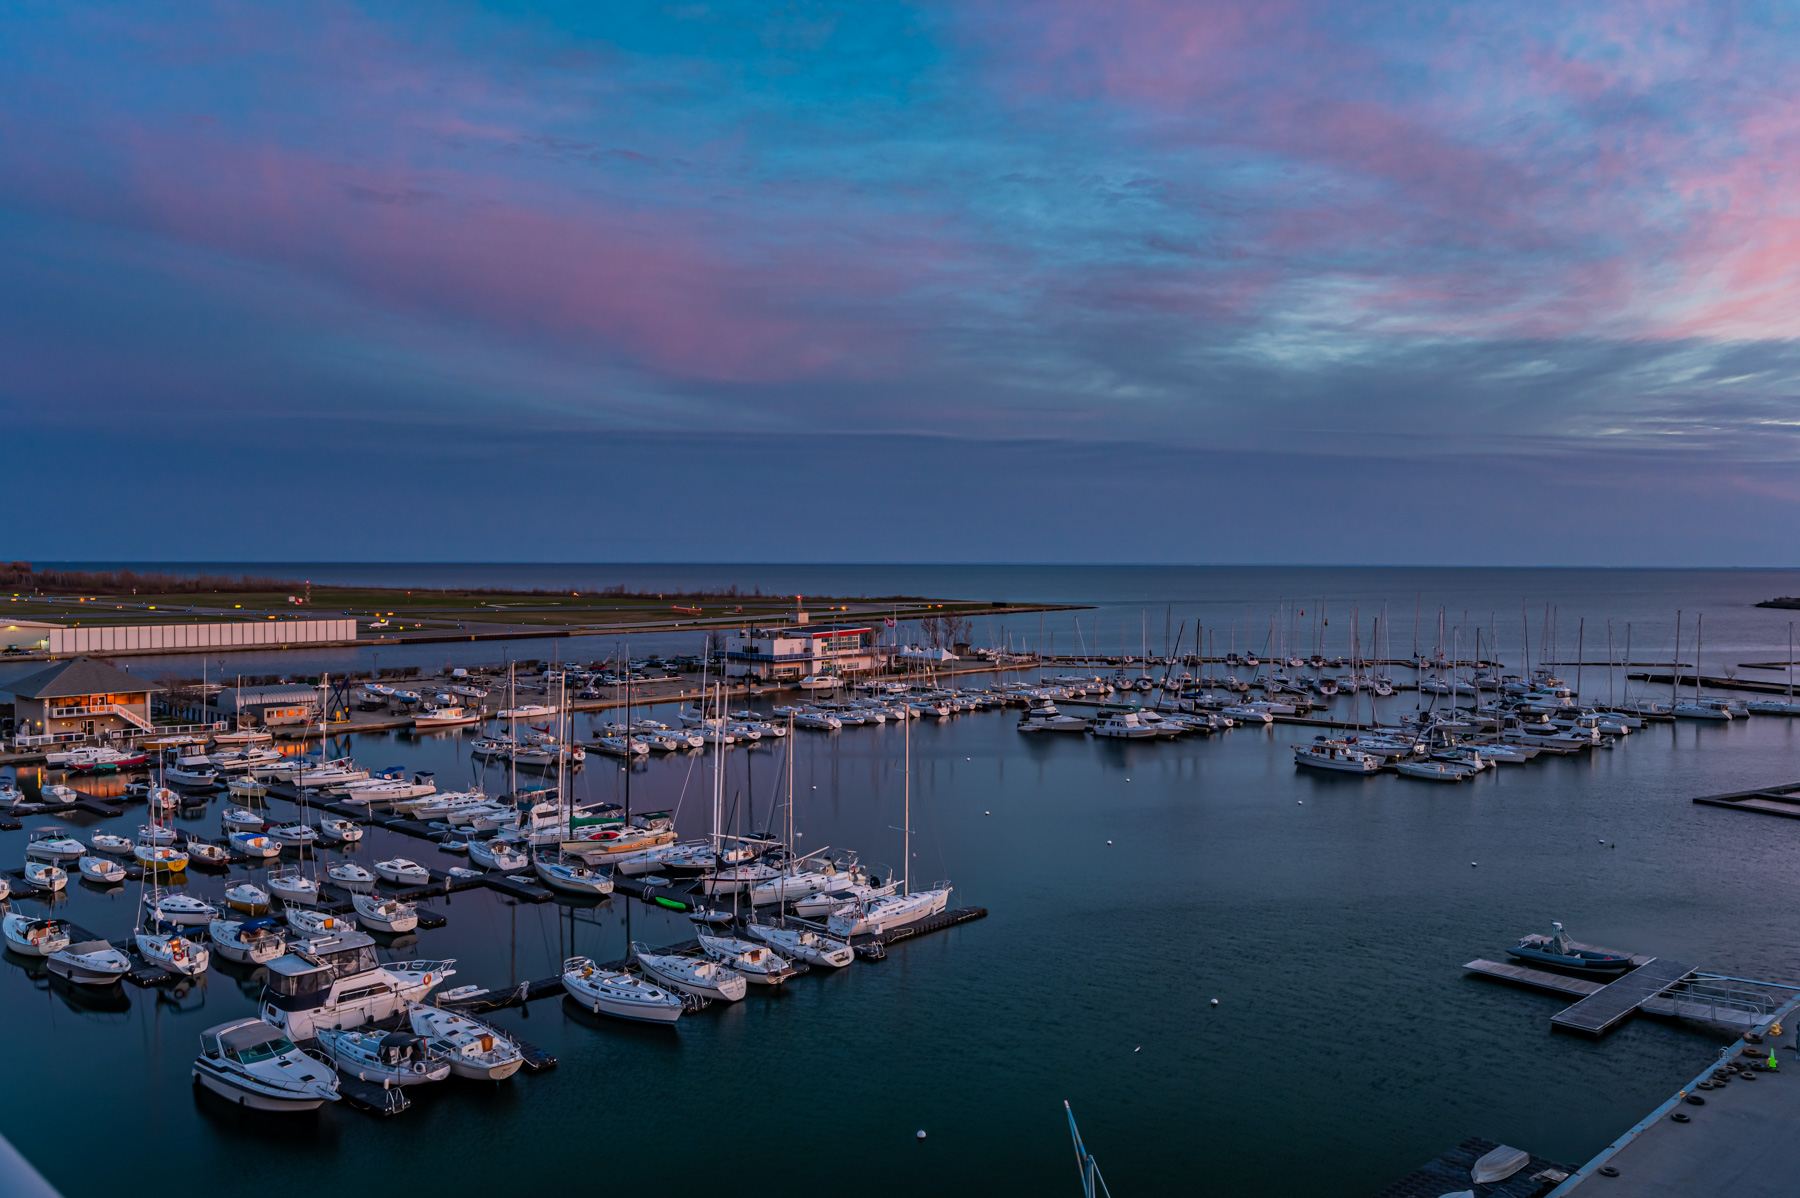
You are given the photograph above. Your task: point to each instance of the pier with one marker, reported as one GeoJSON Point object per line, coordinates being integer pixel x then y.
{"type": "Point", "coordinates": [1782, 800]}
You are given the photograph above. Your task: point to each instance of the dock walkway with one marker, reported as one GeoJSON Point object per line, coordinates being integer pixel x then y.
{"type": "Point", "coordinates": [1615, 1002]}
{"type": "Point", "coordinates": [1782, 800]}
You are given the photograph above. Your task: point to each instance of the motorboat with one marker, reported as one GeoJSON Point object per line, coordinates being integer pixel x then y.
{"type": "Point", "coordinates": [618, 993]}
{"type": "Point", "coordinates": [89, 963]}
{"type": "Point", "coordinates": [380, 914]}
{"type": "Point", "coordinates": [251, 1063]}
{"type": "Point", "coordinates": [1123, 725]}
{"type": "Point", "coordinates": [449, 716]}
{"type": "Point", "coordinates": [1325, 754]}
{"type": "Point", "coordinates": [54, 845]}
{"type": "Point", "coordinates": [193, 772]}
{"type": "Point", "coordinates": [240, 819]}
{"type": "Point", "coordinates": [351, 876]}
{"type": "Point", "coordinates": [295, 835]}
{"type": "Point", "coordinates": [1433, 771]}
{"type": "Point", "coordinates": [181, 910]}
{"type": "Point", "coordinates": [242, 761]}
{"type": "Point", "coordinates": [34, 937]}
{"type": "Point", "coordinates": [41, 875]}
{"type": "Point", "coordinates": [248, 942]}
{"type": "Point", "coordinates": [101, 870]}
{"type": "Point", "coordinates": [177, 954]}
{"type": "Point", "coordinates": [501, 856]}
{"type": "Point", "coordinates": [402, 872]}
{"type": "Point", "coordinates": [335, 981]}
{"type": "Point", "coordinates": [572, 877]}
{"type": "Point", "coordinates": [201, 852]}
{"type": "Point", "coordinates": [473, 1049]}
{"type": "Point", "coordinates": [340, 831]}
{"type": "Point", "coordinates": [396, 1058]}
{"type": "Point", "coordinates": [757, 963]}
{"type": "Point", "coordinates": [309, 921]}
{"type": "Point", "coordinates": [446, 806]}
{"type": "Point", "coordinates": [1559, 951]}
{"type": "Point", "coordinates": [254, 844]}
{"type": "Point", "coordinates": [106, 842]}
{"type": "Point", "coordinates": [875, 916]}
{"type": "Point", "coordinates": [1048, 719]}
{"type": "Point", "coordinates": [293, 887]}
{"type": "Point", "coordinates": [106, 761]}
{"type": "Point", "coordinates": [699, 976]}
{"type": "Point", "coordinates": [802, 944]}
{"type": "Point", "coordinates": [247, 898]}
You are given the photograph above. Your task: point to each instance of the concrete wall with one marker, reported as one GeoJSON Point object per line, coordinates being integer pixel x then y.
{"type": "Point", "coordinates": [125, 638]}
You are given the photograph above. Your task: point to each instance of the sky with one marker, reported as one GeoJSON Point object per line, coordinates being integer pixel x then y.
{"type": "Point", "coordinates": [1038, 281]}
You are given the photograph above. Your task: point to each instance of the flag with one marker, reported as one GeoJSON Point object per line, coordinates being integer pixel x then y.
{"type": "Point", "coordinates": [889, 621]}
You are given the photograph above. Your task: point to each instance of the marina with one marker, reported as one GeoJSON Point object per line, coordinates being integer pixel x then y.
{"type": "Point", "coordinates": [995, 809]}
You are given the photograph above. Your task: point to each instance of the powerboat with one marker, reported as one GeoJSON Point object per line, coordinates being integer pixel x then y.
{"type": "Point", "coordinates": [1433, 771]}
{"type": "Point", "coordinates": [181, 910]}
{"type": "Point", "coordinates": [102, 870]}
{"type": "Point", "coordinates": [295, 835]}
{"type": "Point", "coordinates": [249, 1062]}
{"type": "Point", "coordinates": [402, 872]}
{"type": "Point", "coordinates": [248, 942]}
{"type": "Point", "coordinates": [699, 976]}
{"type": "Point", "coordinates": [618, 993]}
{"type": "Point", "coordinates": [307, 921]}
{"type": "Point", "coordinates": [204, 853]}
{"type": "Point", "coordinates": [473, 1049]}
{"type": "Point", "coordinates": [106, 842]}
{"type": "Point", "coordinates": [53, 845]}
{"type": "Point", "coordinates": [1325, 754]}
{"type": "Point", "coordinates": [1558, 951]}
{"type": "Point", "coordinates": [756, 962]}
{"type": "Point", "coordinates": [1124, 725]}
{"type": "Point", "coordinates": [154, 833]}
{"type": "Point", "coordinates": [335, 981]}
{"type": "Point", "coordinates": [89, 963]}
{"type": "Point", "coordinates": [246, 787]}
{"type": "Point", "coordinates": [384, 914]}
{"type": "Point", "coordinates": [351, 877]}
{"type": "Point", "coordinates": [247, 898]}
{"type": "Point", "coordinates": [390, 1058]}
{"type": "Point", "coordinates": [41, 875]}
{"type": "Point", "coordinates": [340, 831]}
{"type": "Point", "coordinates": [445, 717]}
{"type": "Point", "coordinates": [34, 937]}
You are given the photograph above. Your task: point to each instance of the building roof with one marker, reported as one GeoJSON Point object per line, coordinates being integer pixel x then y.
{"type": "Point", "coordinates": [290, 694]}
{"type": "Point", "coordinates": [79, 676]}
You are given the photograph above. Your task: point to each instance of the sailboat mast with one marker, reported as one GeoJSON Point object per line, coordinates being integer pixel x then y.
{"type": "Point", "coordinates": [906, 814]}
{"type": "Point", "coordinates": [1675, 667]}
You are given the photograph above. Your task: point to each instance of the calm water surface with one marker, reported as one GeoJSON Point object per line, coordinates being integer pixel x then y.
{"type": "Point", "coordinates": [1329, 916]}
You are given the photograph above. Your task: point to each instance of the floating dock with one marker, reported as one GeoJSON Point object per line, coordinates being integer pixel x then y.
{"type": "Point", "coordinates": [1654, 986]}
{"type": "Point", "coordinates": [1449, 1174]}
{"type": "Point", "coordinates": [1782, 800]}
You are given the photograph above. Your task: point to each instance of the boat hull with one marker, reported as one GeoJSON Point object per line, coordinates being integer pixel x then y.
{"type": "Point", "coordinates": [246, 1095]}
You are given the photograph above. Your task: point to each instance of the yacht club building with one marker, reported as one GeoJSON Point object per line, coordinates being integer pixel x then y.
{"type": "Point", "coordinates": [796, 650]}
{"type": "Point", "coordinates": [81, 696]}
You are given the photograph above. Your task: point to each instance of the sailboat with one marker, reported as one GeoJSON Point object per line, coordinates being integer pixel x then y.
{"type": "Point", "coordinates": [1771, 706]}
{"type": "Point", "coordinates": [169, 949]}
{"type": "Point", "coordinates": [874, 917]}
{"type": "Point", "coordinates": [292, 885]}
{"type": "Point", "coordinates": [570, 877]}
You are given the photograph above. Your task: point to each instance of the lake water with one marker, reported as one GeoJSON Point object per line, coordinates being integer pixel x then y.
{"type": "Point", "coordinates": [1329, 916]}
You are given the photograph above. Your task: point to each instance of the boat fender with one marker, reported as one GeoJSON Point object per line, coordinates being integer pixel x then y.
{"type": "Point", "coordinates": [1695, 1100]}
{"type": "Point", "coordinates": [1608, 1171]}
{"type": "Point", "coordinates": [1680, 1118]}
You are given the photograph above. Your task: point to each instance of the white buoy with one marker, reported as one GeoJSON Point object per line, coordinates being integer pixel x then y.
{"type": "Point", "coordinates": [1474, 863]}
{"type": "Point", "coordinates": [921, 1133]}
{"type": "Point", "coordinates": [987, 813]}
{"type": "Point", "coordinates": [1139, 1048]}
{"type": "Point", "coordinates": [1300, 802]}
{"type": "Point", "coordinates": [1109, 842]}
{"type": "Point", "coordinates": [1215, 1002]}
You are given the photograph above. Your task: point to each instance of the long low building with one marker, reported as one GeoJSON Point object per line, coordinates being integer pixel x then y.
{"type": "Point", "coordinates": [150, 638]}
{"type": "Point", "coordinates": [267, 706]}
{"type": "Point", "coordinates": [796, 650]}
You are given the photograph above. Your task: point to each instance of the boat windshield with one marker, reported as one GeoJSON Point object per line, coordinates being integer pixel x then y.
{"type": "Point", "coordinates": [267, 1050]}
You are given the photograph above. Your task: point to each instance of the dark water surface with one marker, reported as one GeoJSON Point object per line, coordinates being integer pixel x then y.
{"type": "Point", "coordinates": [1329, 916]}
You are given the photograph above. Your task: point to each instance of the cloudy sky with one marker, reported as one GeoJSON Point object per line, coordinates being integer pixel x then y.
{"type": "Point", "coordinates": [986, 280]}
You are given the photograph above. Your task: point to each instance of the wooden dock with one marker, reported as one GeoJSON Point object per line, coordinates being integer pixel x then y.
{"type": "Point", "coordinates": [1615, 1002]}
{"type": "Point", "coordinates": [1782, 800]}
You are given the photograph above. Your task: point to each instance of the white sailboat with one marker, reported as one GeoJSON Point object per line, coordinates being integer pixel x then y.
{"type": "Point", "coordinates": [875, 917]}
{"type": "Point", "coordinates": [699, 976]}
{"type": "Point", "coordinates": [618, 993]}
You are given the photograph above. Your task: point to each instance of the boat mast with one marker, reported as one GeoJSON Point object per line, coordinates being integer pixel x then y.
{"type": "Point", "coordinates": [1580, 635]}
{"type": "Point", "coordinates": [1699, 624]}
{"type": "Point", "coordinates": [906, 815]}
{"type": "Point", "coordinates": [1675, 669]}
